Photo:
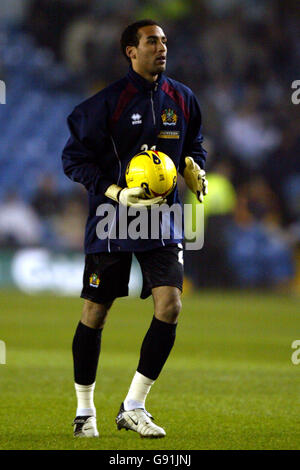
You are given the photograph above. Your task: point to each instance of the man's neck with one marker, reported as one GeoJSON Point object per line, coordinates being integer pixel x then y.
{"type": "Point", "coordinates": [150, 78]}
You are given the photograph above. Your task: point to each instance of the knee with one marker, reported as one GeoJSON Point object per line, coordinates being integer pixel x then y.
{"type": "Point", "coordinates": [168, 311]}
{"type": "Point", "coordinates": [94, 315]}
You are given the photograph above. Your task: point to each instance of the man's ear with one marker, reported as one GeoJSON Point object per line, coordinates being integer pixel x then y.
{"type": "Point", "coordinates": [131, 52]}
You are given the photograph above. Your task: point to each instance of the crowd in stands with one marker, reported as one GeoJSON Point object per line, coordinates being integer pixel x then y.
{"type": "Point", "coordinates": [240, 58]}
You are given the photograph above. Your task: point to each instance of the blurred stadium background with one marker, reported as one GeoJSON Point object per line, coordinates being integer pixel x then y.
{"type": "Point", "coordinates": [240, 57]}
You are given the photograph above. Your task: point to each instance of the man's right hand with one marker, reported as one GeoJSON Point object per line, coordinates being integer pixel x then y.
{"type": "Point", "coordinates": [132, 196]}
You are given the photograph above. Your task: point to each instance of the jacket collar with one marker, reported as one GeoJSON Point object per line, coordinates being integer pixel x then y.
{"type": "Point", "coordinates": [142, 83]}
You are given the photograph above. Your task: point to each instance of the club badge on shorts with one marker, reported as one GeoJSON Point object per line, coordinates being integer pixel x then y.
{"type": "Point", "coordinates": [94, 280]}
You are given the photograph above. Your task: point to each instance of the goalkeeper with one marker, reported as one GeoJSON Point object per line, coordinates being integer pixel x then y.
{"type": "Point", "coordinates": [143, 110]}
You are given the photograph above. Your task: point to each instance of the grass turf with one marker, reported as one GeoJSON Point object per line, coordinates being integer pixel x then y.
{"type": "Point", "coordinates": [228, 384]}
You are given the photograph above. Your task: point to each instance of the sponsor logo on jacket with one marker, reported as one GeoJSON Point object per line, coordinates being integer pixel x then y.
{"type": "Point", "coordinates": [136, 119]}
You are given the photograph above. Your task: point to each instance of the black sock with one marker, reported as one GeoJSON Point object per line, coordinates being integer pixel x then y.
{"type": "Point", "coordinates": [86, 349]}
{"type": "Point", "coordinates": [156, 348]}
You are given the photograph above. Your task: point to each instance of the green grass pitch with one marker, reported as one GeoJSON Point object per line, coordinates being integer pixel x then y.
{"type": "Point", "coordinates": [228, 384]}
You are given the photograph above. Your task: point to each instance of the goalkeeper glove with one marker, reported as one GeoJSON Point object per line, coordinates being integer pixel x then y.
{"type": "Point", "coordinates": [195, 178]}
{"type": "Point", "coordinates": [131, 196]}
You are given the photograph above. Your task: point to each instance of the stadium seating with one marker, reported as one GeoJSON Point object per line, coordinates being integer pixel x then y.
{"type": "Point", "coordinates": [33, 121]}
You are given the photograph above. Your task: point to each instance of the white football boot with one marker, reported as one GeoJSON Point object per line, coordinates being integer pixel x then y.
{"type": "Point", "coordinates": [85, 426]}
{"type": "Point", "coordinates": [140, 421]}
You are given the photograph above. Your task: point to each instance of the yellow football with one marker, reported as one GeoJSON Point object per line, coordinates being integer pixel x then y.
{"type": "Point", "coordinates": [152, 170]}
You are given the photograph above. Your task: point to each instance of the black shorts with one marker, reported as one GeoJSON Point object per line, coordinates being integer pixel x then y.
{"type": "Point", "coordinates": [106, 275]}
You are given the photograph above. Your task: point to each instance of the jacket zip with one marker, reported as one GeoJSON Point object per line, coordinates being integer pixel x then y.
{"type": "Point", "coordinates": [119, 161]}
{"type": "Point", "coordinates": [153, 112]}
{"type": "Point", "coordinates": [154, 122]}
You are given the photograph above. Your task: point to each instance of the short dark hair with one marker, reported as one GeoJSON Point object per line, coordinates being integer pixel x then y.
{"type": "Point", "coordinates": [130, 35]}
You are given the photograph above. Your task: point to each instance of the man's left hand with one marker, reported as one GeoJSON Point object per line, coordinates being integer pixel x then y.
{"type": "Point", "coordinates": [195, 178]}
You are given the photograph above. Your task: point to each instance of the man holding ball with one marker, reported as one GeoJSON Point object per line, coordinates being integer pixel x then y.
{"type": "Point", "coordinates": [144, 110]}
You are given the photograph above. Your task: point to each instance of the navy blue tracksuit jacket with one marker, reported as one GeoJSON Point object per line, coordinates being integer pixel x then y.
{"type": "Point", "coordinates": [109, 128]}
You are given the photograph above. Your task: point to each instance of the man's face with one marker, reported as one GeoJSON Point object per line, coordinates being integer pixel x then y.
{"type": "Point", "coordinates": [149, 57]}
